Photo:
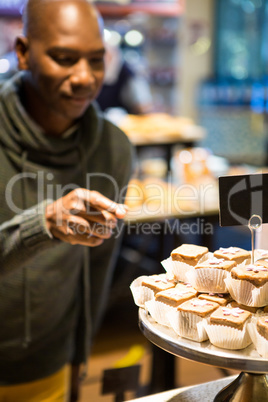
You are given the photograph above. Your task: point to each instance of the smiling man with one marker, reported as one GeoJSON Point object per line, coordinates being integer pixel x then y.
{"type": "Point", "coordinates": [64, 171]}
{"type": "Point", "coordinates": [64, 51]}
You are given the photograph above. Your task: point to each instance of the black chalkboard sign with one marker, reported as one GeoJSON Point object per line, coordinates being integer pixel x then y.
{"type": "Point", "coordinates": [241, 197]}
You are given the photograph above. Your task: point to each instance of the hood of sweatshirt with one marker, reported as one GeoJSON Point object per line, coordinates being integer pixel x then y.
{"type": "Point", "coordinates": [20, 133]}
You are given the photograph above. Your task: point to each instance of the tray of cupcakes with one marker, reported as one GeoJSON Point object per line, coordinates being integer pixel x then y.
{"type": "Point", "coordinates": [209, 306]}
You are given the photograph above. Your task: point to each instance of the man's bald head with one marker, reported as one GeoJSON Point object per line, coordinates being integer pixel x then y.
{"type": "Point", "coordinates": [38, 13]}
{"type": "Point", "coordinates": [62, 54]}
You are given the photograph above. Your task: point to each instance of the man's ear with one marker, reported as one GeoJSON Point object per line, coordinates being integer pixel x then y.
{"type": "Point", "coordinates": [22, 51]}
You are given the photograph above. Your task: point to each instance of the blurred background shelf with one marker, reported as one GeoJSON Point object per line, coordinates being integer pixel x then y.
{"type": "Point", "coordinates": [163, 8]}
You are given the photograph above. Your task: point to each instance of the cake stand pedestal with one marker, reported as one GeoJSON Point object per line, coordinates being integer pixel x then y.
{"type": "Point", "coordinates": [250, 386]}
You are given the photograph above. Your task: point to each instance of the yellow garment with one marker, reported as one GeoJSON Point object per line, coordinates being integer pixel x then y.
{"type": "Point", "coordinates": [54, 388]}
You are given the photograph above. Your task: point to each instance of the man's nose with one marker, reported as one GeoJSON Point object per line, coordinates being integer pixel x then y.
{"type": "Point", "coordinates": [82, 73]}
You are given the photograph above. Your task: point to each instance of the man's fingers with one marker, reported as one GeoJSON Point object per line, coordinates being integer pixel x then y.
{"type": "Point", "coordinates": [90, 241]}
{"type": "Point", "coordinates": [100, 202]}
{"type": "Point", "coordinates": [83, 217]}
{"type": "Point", "coordinates": [77, 226]}
{"type": "Point", "coordinates": [121, 211]}
{"type": "Point", "coordinates": [103, 217]}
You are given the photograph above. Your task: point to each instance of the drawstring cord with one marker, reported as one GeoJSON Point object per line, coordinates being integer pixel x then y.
{"type": "Point", "coordinates": [86, 294]}
{"type": "Point", "coordinates": [26, 285]}
{"type": "Point", "coordinates": [86, 284]}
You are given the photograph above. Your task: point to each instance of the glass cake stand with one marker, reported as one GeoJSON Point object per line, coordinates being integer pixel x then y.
{"type": "Point", "coordinates": [250, 386]}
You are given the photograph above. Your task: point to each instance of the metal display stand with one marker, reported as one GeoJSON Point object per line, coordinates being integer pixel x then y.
{"type": "Point", "coordinates": [250, 386]}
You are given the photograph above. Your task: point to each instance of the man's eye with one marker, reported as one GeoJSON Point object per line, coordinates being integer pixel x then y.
{"type": "Point", "coordinates": [64, 60]}
{"type": "Point", "coordinates": [97, 60]}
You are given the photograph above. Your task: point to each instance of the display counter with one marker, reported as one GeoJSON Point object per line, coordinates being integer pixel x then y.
{"type": "Point", "coordinates": [160, 129]}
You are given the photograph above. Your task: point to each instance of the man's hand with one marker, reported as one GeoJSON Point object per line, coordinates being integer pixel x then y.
{"type": "Point", "coordinates": [83, 217]}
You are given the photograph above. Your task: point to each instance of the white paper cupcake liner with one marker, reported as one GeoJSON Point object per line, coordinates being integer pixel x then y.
{"type": "Point", "coordinates": [245, 293]}
{"type": "Point", "coordinates": [176, 268]}
{"type": "Point", "coordinates": [159, 311]}
{"type": "Point", "coordinates": [260, 343]}
{"type": "Point", "coordinates": [205, 257]}
{"type": "Point", "coordinates": [180, 269]}
{"type": "Point", "coordinates": [188, 325]}
{"type": "Point", "coordinates": [141, 294]}
{"type": "Point", "coordinates": [208, 280]}
{"type": "Point", "coordinates": [166, 264]}
{"type": "Point", "coordinates": [259, 253]}
{"type": "Point", "coordinates": [226, 337]}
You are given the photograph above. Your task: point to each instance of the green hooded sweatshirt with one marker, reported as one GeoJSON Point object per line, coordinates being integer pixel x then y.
{"type": "Point", "coordinates": [53, 294]}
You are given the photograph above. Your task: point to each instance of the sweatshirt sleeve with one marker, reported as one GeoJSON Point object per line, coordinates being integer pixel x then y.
{"type": "Point", "coordinates": [23, 237]}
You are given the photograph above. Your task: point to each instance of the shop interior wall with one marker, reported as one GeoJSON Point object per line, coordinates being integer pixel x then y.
{"type": "Point", "coordinates": [195, 41]}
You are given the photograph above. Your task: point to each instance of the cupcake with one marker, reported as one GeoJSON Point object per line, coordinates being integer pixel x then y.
{"type": "Point", "coordinates": [145, 287]}
{"type": "Point", "coordinates": [167, 300]}
{"type": "Point", "coordinates": [235, 254]}
{"type": "Point", "coordinates": [184, 258]}
{"type": "Point", "coordinates": [189, 318]}
{"type": "Point", "coordinates": [260, 254]}
{"type": "Point", "coordinates": [248, 284]}
{"type": "Point", "coordinates": [227, 328]}
{"type": "Point", "coordinates": [252, 310]}
{"type": "Point", "coordinates": [220, 298]}
{"type": "Point", "coordinates": [262, 327]}
{"type": "Point", "coordinates": [259, 335]}
{"type": "Point", "coordinates": [209, 276]}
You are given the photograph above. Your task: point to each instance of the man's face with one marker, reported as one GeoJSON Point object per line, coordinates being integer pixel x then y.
{"type": "Point", "coordinates": [66, 60]}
